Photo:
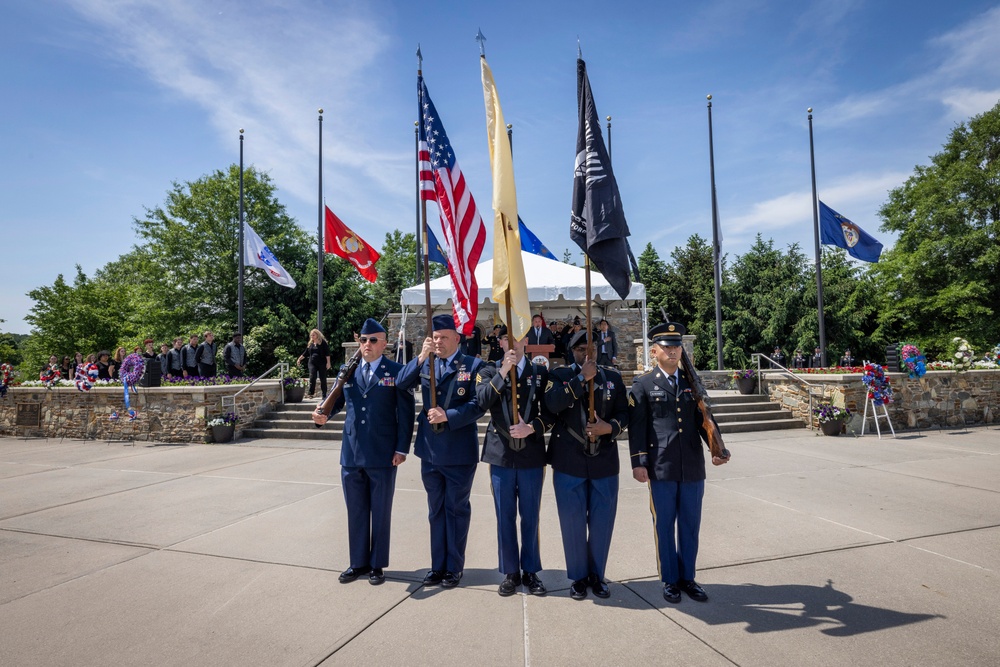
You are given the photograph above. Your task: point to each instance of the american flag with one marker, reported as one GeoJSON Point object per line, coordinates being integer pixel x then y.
{"type": "Point", "coordinates": [441, 180]}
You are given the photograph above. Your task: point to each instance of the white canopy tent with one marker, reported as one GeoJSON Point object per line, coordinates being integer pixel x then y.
{"type": "Point", "coordinates": [552, 285]}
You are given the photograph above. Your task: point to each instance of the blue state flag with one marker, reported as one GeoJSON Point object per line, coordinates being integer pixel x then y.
{"type": "Point", "coordinates": [530, 242]}
{"type": "Point", "coordinates": [434, 251]}
{"type": "Point", "coordinates": [835, 229]}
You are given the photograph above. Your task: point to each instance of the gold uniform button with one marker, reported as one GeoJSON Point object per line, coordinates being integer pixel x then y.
{"type": "Point", "coordinates": [680, 430]}
{"type": "Point", "coordinates": [678, 409]}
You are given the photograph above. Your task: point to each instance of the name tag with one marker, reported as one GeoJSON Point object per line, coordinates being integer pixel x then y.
{"type": "Point", "coordinates": [657, 394]}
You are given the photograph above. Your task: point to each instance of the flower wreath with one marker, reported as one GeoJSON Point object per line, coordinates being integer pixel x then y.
{"type": "Point", "coordinates": [86, 376]}
{"type": "Point", "coordinates": [6, 373]}
{"type": "Point", "coordinates": [879, 389]}
{"type": "Point", "coordinates": [916, 363]}
{"type": "Point", "coordinates": [995, 355]}
{"type": "Point", "coordinates": [50, 375]}
{"type": "Point", "coordinates": [130, 372]}
{"type": "Point", "coordinates": [963, 354]}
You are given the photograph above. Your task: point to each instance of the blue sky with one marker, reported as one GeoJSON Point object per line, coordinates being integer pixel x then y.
{"type": "Point", "coordinates": [107, 102]}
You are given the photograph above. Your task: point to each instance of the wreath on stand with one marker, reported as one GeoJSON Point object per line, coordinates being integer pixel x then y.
{"type": "Point", "coordinates": [916, 363]}
{"type": "Point", "coordinates": [879, 389]}
{"type": "Point", "coordinates": [6, 373]}
{"type": "Point", "coordinates": [130, 373]}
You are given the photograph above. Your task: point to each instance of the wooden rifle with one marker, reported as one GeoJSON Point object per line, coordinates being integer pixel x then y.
{"type": "Point", "coordinates": [346, 372]}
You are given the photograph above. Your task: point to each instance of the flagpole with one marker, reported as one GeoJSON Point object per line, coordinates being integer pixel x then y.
{"type": "Point", "coordinates": [716, 245]}
{"type": "Point", "coordinates": [416, 159]}
{"type": "Point", "coordinates": [319, 234]}
{"type": "Point", "coordinates": [239, 283]}
{"type": "Point", "coordinates": [609, 137]}
{"type": "Point", "coordinates": [510, 335]}
{"type": "Point", "coordinates": [819, 266]}
{"type": "Point", "coordinates": [437, 428]}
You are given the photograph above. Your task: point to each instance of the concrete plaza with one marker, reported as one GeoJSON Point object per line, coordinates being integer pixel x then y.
{"type": "Point", "coordinates": [815, 551]}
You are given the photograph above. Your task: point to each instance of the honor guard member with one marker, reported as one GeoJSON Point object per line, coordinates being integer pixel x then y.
{"type": "Point", "coordinates": [377, 432]}
{"type": "Point", "coordinates": [516, 454]}
{"type": "Point", "coordinates": [584, 459]}
{"type": "Point", "coordinates": [777, 357]}
{"type": "Point", "coordinates": [816, 361]}
{"type": "Point", "coordinates": [848, 359]}
{"type": "Point", "coordinates": [447, 444]}
{"type": "Point", "coordinates": [664, 439]}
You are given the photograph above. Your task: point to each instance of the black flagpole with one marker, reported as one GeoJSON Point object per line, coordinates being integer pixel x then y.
{"type": "Point", "coordinates": [319, 234]}
{"type": "Point", "coordinates": [819, 266]}
{"type": "Point", "coordinates": [239, 283]}
{"type": "Point", "coordinates": [716, 245]}
{"type": "Point", "coordinates": [416, 159]}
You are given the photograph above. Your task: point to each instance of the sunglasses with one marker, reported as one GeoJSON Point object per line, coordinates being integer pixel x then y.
{"type": "Point", "coordinates": [368, 339]}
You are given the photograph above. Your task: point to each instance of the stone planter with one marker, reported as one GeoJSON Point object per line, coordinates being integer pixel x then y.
{"type": "Point", "coordinates": [746, 385]}
{"type": "Point", "coordinates": [223, 433]}
{"type": "Point", "coordinates": [832, 427]}
{"type": "Point", "coordinates": [294, 394]}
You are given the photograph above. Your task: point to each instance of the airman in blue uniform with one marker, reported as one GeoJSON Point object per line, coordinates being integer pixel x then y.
{"type": "Point", "coordinates": [447, 444]}
{"type": "Point", "coordinates": [584, 459]}
{"type": "Point", "coordinates": [377, 432]}
{"type": "Point", "coordinates": [516, 454]}
{"type": "Point", "coordinates": [664, 436]}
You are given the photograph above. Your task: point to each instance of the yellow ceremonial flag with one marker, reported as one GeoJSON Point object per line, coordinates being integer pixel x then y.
{"type": "Point", "coordinates": [509, 284]}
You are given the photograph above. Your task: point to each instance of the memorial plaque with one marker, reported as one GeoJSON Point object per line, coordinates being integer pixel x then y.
{"type": "Point", "coordinates": [28, 414]}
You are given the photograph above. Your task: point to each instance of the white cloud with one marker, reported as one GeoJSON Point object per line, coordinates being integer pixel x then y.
{"type": "Point", "coordinates": [966, 102]}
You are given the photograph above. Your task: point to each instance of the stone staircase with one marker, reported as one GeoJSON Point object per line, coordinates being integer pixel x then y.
{"type": "Point", "coordinates": [733, 412]}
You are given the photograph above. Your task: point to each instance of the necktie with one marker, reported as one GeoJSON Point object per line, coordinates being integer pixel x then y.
{"type": "Point", "coordinates": [367, 373]}
{"type": "Point", "coordinates": [442, 365]}
{"type": "Point", "coordinates": [672, 381]}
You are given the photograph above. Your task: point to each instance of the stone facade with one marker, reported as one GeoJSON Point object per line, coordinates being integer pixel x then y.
{"type": "Point", "coordinates": [166, 414]}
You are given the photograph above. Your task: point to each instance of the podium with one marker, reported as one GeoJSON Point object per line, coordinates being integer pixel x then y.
{"type": "Point", "coordinates": [539, 354]}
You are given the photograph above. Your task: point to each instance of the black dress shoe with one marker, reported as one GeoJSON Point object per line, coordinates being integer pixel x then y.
{"type": "Point", "coordinates": [433, 578]}
{"type": "Point", "coordinates": [376, 577]}
{"type": "Point", "coordinates": [578, 589]}
{"type": "Point", "coordinates": [352, 573]}
{"type": "Point", "coordinates": [510, 584]}
{"type": "Point", "coordinates": [671, 593]}
{"type": "Point", "coordinates": [693, 590]}
{"type": "Point", "coordinates": [599, 587]}
{"type": "Point", "coordinates": [451, 579]}
{"type": "Point", "coordinates": [533, 583]}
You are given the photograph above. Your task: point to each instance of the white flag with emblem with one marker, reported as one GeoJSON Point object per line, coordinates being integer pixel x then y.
{"type": "Point", "coordinates": [256, 253]}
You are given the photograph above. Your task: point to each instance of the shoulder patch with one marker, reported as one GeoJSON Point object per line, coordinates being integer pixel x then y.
{"type": "Point", "coordinates": [549, 385]}
{"type": "Point", "coordinates": [479, 378]}
{"type": "Point", "coordinates": [631, 400]}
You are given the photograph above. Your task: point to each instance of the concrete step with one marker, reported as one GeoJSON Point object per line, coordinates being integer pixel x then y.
{"type": "Point", "coordinates": [739, 408]}
{"type": "Point", "coordinates": [768, 425]}
{"type": "Point", "coordinates": [769, 415]}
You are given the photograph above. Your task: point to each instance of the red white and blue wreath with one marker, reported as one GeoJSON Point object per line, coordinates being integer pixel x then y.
{"type": "Point", "coordinates": [131, 371]}
{"type": "Point", "coordinates": [6, 374]}
{"type": "Point", "coordinates": [86, 376]}
{"type": "Point", "coordinates": [50, 375]}
{"type": "Point", "coordinates": [879, 390]}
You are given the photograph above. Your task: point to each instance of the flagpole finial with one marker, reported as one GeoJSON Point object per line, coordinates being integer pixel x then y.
{"type": "Point", "coordinates": [579, 51]}
{"type": "Point", "coordinates": [709, 97]}
{"type": "Point", "coordinates": [510, 125]}
{"type": "Point", "coordinates": [241, 130]}
{"type": "Point", "coordinates": [609, 118]}
{"type": "Point", "coordinates": [809, 110]}
{"type": "Point", "coordinates": [320, 110]}
{"type": "Point", "coordinates": [481, 38]}
{"type": "Point", "coordinates": [420, 57]}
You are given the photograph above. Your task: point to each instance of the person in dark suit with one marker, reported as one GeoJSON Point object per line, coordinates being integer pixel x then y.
{"type": "Point", "coordinates": [848, 359]}
{"type": "Point", "coordinates": [584, 459]}
{"type": "Point", "coordinates": [557, 340]}
{"type": "Point", "coordinates": [799, 360]}
{"type": "Point", "coordinates": [516, 454]}
{"type": "Point", "coordinates": [816, 361]}
{"type": "Point", "coordinates": [377, 432]}
{"type": "Point", "coordinates": [447, 444]}
{"type": "Point", "coordinates": [472, 344]}
{"type": "Point", "coordinates": [493, 340]}
{"type": "Point", "coordinates": [607, 345]}
{"type": "Point", "coordinates": [777, 357]}
{"type": "Point", "coordinates": [663, 438]}
{"type": "Point", "coordinates": [539, 334]}
{"type": "Point", "coordinates": [403, 349]}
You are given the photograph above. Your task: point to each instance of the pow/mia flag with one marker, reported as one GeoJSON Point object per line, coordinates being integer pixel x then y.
{"type": "Point", "coordinates": [597, 221]}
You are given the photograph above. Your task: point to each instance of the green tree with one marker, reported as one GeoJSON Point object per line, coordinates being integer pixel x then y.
{"type": "Point", "coordinates": [941, 278]}
{"type": "Point", "coordinates": [692, 296]}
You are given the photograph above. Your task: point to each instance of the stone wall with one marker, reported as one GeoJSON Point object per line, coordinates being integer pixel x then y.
{"type": "Point", "coordinates": [166, 414]}
{"type": "Point", "coordinates": [940, 399]}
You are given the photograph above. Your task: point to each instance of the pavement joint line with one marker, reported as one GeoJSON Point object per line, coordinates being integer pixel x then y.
{"type": "Point", "coordinates": [527, 642]}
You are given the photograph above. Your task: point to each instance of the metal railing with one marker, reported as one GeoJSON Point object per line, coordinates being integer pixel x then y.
{"type": "Point", "coordinates": [778, 368]}
{"type": "Point", "coordinates": [281, 367]}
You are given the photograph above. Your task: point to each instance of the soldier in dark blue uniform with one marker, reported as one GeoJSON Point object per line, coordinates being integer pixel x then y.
{"type": "Point", "coordinates": [666, 451]}
{"type": "Point", "coordinates": [516, 454]}
{"type": "Point", "coordinates": [584, 458]}
{"type": "Point", "coordinates": [447, 444]}
{"type": "Point", "coordinates": [377, 432]}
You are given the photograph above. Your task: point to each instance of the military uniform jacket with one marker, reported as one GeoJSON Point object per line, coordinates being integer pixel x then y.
{"type": "Point", "coordinates": [379, 420]}
{"type": "Point", "coordinates": [493, 394]}
{"type": "Point", "coordinates": [566, 396]}
{"type": "Point", "coordinates": [458, 443]}
{"type": "Point", "coordinates": [665, 429]}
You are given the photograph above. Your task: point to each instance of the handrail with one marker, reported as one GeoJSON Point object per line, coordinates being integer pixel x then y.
{"type": "Point", "coordinates": [810, 386]}
{"type": "Point", "coordinates": [282, 367]}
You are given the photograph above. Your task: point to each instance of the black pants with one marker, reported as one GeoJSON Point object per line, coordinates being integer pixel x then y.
{"type": "Point", "coordinates": [207, 371]}
{"type": "Point", "coordinates": [321, 372]}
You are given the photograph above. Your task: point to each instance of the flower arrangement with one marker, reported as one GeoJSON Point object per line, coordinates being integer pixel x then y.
{"type": "Point", "coordinates": [827, 412]}
{"type": "Point", "coordinates": [744, 374]}
{"type": "Point", "coordinates": [916, 363]}
{"type": "Point", "coordinates": [879, 389]}
{"type": "Point", "coordinates": [228, 419]}
{"type": "Point", "coordinates": [830, 370]}
{"type": "Point", "coordinates": [995, 355]}
{"type": "Point", "coordinates": [290, 382]}
{"type": "Point", "coordinates": [963, 355]}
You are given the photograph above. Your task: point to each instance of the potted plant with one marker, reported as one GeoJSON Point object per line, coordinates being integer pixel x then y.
{"type": "Point", "coordinates": [831, 418]}
{"type": "Point", "coordinates": [746, 380]}
{"type": "Point", "coordinates": [223, 427]}
{"type": "Point", "coordinates": [295, 389]}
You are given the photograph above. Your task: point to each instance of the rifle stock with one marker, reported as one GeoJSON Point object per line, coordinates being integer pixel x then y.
{"type": "Point", "coordinates": [326, 407]}
{"type": "Point", "coordinates": [715, 444]}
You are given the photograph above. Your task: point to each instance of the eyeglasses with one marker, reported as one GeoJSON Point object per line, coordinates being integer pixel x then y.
{"type": "Point", "coordinates": [368, 339]}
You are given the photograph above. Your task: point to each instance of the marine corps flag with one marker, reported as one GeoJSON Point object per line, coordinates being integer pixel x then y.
{"type": "Point", "coordinates": [597, 221]}
{"type": "Point", "coordinates": [509, 285]}
{"type": "Point", "coordinates": [342, 242]}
